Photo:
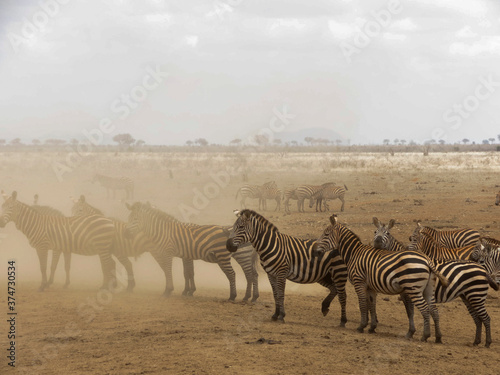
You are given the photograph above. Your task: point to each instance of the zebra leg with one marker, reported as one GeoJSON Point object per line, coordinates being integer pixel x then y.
{"type": "Point", "coordinates": [343, 202]}
{"type": "Point", "coordinates": [53, 265]}
{"type": "Point", "coordinates": [225, 266]}
{"type": "Point", "coordinates": [108, 267]}
{"type": "Point", "coordinates": [336, 287]}
{"type": "Point", "coordinates": [278, 283]}
{"type": "Point", "coordinates": [361, 291]}
{"type": "Point", "coordinates": [165, 262]}
{"type": "Point", "coordinates": [421, 304]}
{"type": "Point", "coordinates": [372, 304]}
{"type": "Point", "coordinates": [189, 287]}
{"type": "Point", "coordinates": [410, 312]}
{"type": "Point", "coordinates": [67, 266]}
{"type": "Point", "coordinates": [130, 272]}
{"type": "Point", "coordinates": [273, 282]}
{"type": "Point", "coordinates": [249, 276]}
{"type": "Point", "coordinates": [478, 321]}
{"type": "Point", "coordinates": [42, 258]}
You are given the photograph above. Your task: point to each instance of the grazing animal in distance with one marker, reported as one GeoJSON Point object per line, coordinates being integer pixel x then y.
{"type": "Point", "coordinates": [115, 183]}
{"type": "Point", "coordinates": [328, 192]}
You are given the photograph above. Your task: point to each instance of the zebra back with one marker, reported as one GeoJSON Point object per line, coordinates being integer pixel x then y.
{"type": "Point", "coordinates": [451, 238]}
{"type": "Point", "coordinates": [427, 244]}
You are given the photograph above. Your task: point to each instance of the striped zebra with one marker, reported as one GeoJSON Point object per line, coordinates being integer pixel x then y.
{"type": "Point", "coordinates": [285, 257]}
{"type": "Point", "coordinates": [88, 235]}
{"type": "Point", "coordinates": [304, 192]}
{"type": "Point", "coordinates": [423, 242]}
{"type": "Point", "coordinates": [489, 256]}
{"type": "Point", "coordinates": [371, 271]}
{"type": "Point", "coordinates": [490, 241]}
{"type": "Point", "coordinates": [192, 242]}
{"type": "Point", "coordinates": [115, 183]}
{"type": "Point", "coordinates": [467, 280]}
{"type": "Point", "coordinates": [497, 199]}
{"type": "Point", "coordinates": [271, 193]}
{"type": "Point", "coordinates": [255, 192]}
{"type": "Point", "coordinates": [289, 193]}
{"type": "Point", "coordinates": [451, 238]}
{"type": "Point", "coordinates": [47, 210]}
{"type": "Point", "coordinates": [328, 192]}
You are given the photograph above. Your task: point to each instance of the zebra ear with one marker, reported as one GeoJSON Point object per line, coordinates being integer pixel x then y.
{"type": "Point", "coordinates": [419, 225]}
{"type": "Point", "coordinates": [376, 222]}
{"type": "Point", "coordinates": [333, 219]}
{"type": "Point", "coordinates": [391, 223]}
{"type": "Point", "coordinates": [236, 212]}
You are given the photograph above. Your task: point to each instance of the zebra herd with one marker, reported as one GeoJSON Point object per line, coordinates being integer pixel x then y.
{"type": "Point", "coordinates": [422, 277]}
{"type": "Point", "coordinates": [315, 193]}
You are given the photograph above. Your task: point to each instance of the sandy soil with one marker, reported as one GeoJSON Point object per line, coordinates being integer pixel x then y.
{"type": "Point", "coordinates": [81, 330]}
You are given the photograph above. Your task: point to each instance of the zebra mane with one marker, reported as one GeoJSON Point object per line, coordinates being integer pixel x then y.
{"type": "Point", "coordinates": [154, 211]}
{"type": "Point", "coordinates": [349, 232]}
{"type": "Point", "coordinates": [261, 219]}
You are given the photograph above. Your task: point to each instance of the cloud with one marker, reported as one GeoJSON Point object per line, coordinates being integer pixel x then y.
{"type": "Point", "coordinates": [486, 45]}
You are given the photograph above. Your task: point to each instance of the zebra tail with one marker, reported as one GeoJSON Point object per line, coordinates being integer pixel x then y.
{"type": "Point", "coordinates": [492, 282]}
{"type": "Point", "coordinates": [345, 187]}
{"type": "Point", "coordinates": [443, 279]}
{"type": "Point", "coordinates": [237, 192]}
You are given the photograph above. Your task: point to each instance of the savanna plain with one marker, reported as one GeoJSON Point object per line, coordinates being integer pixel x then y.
{"type": "Point", "coordinates": [81, 330]}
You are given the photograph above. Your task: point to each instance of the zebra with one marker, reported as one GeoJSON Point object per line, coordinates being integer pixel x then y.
{"type": "Point", "coordinates": [408, 273]}
{"type": "Point", "coordinates": [425, 243]}
{"type": "Point", "coordinates": [451, 238]}
{"type": "Point", "coordinates": [307, 191]}
{"type": "Point", "coordinates": [289, 193]}
{"type": "Point", "coordinates": [285, 257]}
{"type": "Point", "coordinates": [467, 280]}
{"type": "Point", "coordinates": [86, 235]}
{"type": "Point", "coordinates": [115, 183]}
{"type": "Point", "coordinates": [255, 192]}
{"type": "Point", "coordinates": [490, 251]}
{"type": "Point", "coordinates": [328, 192]}
{"type": "Point", "coordinates": [191, 241]}
{"type": "Point", "coordinates": [497, 199]}
{"type": "Point", "coordinates": [47, 210]}
{"type": "Point", "coordinates": [271, 193]}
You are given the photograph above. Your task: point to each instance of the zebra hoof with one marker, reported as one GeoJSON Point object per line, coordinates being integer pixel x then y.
{"type": "Point", "coordinates": [438, 340]}
{"type": "Point", "coordinates": [371, 330]}
{"type": "Point", "coordinates": [325, 311]}
{"type": "Point", "coordinates": [360, 329]}
{"type": "Point", "coordinates": [274, 318]}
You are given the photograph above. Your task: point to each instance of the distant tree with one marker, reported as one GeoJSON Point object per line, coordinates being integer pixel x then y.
{"type": "Point", "coordinates": [16, 142]}
{"type": "Point", "coordinates": [277, 142]}
{"type": "Point", "coordinates": [140, 143]}
{"type": "Point", "coordinates": [201, 142]}
{"type": "Point", "coordinates": [386, 141]}
{"type": "Point", "coordinates": [412, 142]}
{"type": "Point", "coordinates": [124, 140]}
{"type": "Point", "coordinates": [396, 141]}
{"type": "Point", "coordinates": [403, 141]}
{"type": "Point", "coordinates": [235, 141]}
{"type": "Point", "coordinates": [498, 136]}
{"type": "Point", "coordinates": [189, 143]}
{"type": "Point", "coordinates": [74, 141]}
{"type": "Point", "coordinates": [465, 141]}
{"type": "Point", "coordinates": [35, 142]}
{"type": "Point", "coordinates": [294, 143]}
{"type": "Point", "coordinates": [486, 142]}
{"type": "Point", "coordinates": [338, 142]}
{"type": "Point", "coordinates": [442, 141]}
{"type": "Point", "coordinates": [261, 139]}
{"type": "Point", "coordinates": [492, 140]}
{"type": "Point", "coordinates": [54, 142]}
{"type": "Point", "coordinates": [309, 140]}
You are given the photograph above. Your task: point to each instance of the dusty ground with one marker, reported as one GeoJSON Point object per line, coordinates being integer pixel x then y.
{"type": "Point", "coordinates": [83, 331]}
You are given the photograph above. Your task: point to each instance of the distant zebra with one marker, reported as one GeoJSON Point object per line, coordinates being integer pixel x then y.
{"type": "Point", "coordinates": [421, 241]}
{"type": "Point", "coordinates": [285, 257]}
{"type": "Point", "coordinates": [468, 280]}
{"type": "Point", "coordinates": [307, 191]}
{"type": "Point", "coordinates": [271, 193]}
{"type": "Point", "coordinates": [371, 271]}
{"type": "Point", "coordinates": [88, 235]}
{"type": "Point", "coordinates": [190, 241]}
{"type": "Point", "coordinates": [47, 210]}
{"type": "Point", "coordinates": [328, 192]}
{"type": "Point", "coordinates": [288, 193]}
{"type": "Point", "coordinates": [497, 200]}
{"type": "Point", "coordinates": [116, 183]}
{"type": "Point", "coordinates": [451, 238]}
{"type": "Point", "coordinates": [254, 192]}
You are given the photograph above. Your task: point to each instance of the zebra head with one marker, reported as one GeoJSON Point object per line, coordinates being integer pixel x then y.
{"type": "Point", "coordinates": [416, 233]}
{"type": "Point", "coordinates": [135, 219]}
{"type": "Point", "coordinates": [10, 208]}
{"type": "Point", "coordinates": [382, 235]}
{"type": "Point", "coordinates": [497, 201]}
{"type": "Point", "coordinates": [242, 230]}
{"type": "Point", "coordinates": [489, 257]}
{"type": "Point", "coordinates": [329, 239]}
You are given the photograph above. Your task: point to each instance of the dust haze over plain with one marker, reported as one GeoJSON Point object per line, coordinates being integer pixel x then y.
{"type": "Point", "coordinates": [230, 63]}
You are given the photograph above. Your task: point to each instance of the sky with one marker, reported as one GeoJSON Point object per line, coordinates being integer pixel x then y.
{"type": "Point", "coordinates": [171, 71]}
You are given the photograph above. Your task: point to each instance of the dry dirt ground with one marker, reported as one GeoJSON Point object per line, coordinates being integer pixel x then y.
{"type": "Point", "coordinates": [81, 330]}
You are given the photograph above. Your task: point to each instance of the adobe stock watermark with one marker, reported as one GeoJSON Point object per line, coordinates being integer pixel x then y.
{"type": "Point", "coordinates": [461, 111]}
{"type": "Point", "coordinates": [221, 180]}
{"type": "Point", "coordinates": [122, 107]}
{"type": "Point", "coordinates": [36, 24]}
{"type": "Point", "coordinates": [372, 28]}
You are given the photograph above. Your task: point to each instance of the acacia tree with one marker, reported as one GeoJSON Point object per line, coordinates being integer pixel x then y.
{"type": "Point", "coordinates": [201, 141]}
{"type": "Point", "coordinates": [124, 140]}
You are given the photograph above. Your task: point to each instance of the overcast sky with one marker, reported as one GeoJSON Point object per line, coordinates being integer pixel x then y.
{"type": "Point", "coordinates": [171, 71]}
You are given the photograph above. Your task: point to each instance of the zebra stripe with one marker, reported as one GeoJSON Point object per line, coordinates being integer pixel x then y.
{"type": "Point", "coordinates": [191, 241]}
{"type": "Point", "coordinates": [306, 192]}
{"type": "Point", "coordinates": [289, 193]}
{"type": "Point", "coordinates": [47, 210]}
{"type": "Point", "coordinates": [451, 238]}
{"type": "Point", "coordinates": [285, 257]}
{"type": "Point", "coordinates": [271, 193]}
{"type": "Point", "coordinates": [328, 192]}
{"type": "Point", "coordinates": [254, 192]}
{"type": "Point", "coordinates": [467, 280]}
{"type": "Point", "coordinates": [426, 244]}
{"type": "Point", "coordinates": [115, 183]}
{"type": "Point", "coordinates": [86, 235]}
{"type": "Point", "coordinates": [372, 271]}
